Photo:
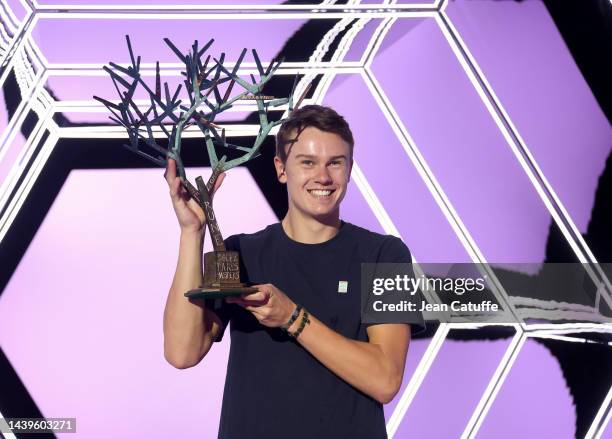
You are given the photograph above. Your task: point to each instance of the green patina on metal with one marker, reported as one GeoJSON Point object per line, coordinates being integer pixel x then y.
{"type": "Point", "coordinates": [168, 112]}
{"type": "Point", "coordinates": [203, 103]}
{"type": "Point", "coordinates": [205, 100]}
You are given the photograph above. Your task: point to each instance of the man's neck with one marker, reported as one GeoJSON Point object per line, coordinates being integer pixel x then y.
{"type": "Point", "coordinates": [310, 230]}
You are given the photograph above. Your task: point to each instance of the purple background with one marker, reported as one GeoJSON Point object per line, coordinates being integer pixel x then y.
{"type": "Point", "coordinates": [87, 298]}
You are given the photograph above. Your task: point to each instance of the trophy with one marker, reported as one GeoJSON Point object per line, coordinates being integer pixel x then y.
{"type": "Point", "coordinates": [209, 93]}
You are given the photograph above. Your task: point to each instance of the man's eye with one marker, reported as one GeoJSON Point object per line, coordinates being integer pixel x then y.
{"type": "Point", "coordinates": [336, 163]}
{"type": "Point", "coordinates": [307, 162]}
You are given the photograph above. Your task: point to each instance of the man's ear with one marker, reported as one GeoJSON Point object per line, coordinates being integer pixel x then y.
{"type": "Point", "coordinates": [350, 168]}
{"type": "Point", "coordinates": [280, 169]}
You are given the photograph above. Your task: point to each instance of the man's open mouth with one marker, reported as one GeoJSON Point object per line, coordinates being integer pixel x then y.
{"type": "Point", "coordinates": [321, 193]}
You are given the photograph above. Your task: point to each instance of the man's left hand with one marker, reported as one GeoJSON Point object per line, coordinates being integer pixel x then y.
{"type": "Point", "coordinates": [270, 306]}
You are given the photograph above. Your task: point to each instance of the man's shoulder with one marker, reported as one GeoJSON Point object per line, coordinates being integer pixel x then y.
{"type": "Point", "coordinates": [370, 238]}
{"type": "Point", "coordinates": [378, 247]}
{"type": "Point", "coordinates": [234, 242]}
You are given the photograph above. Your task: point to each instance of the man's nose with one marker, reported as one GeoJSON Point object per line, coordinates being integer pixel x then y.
{"type": "Point", "coordinates": [323, 176]}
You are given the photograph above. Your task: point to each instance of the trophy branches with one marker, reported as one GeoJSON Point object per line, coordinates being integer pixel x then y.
{"type": "Point", "coordinates": [208, 94]}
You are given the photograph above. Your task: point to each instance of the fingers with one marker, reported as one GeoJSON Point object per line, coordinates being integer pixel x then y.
{"type": "Point", "coordinates": [175, 188]}
{"type": "Point", "coordinates": [170, 173]}
{"type": "Point", "coordinates": [248, 300]}
{"type": "Point", "coordinates": [260, 295]}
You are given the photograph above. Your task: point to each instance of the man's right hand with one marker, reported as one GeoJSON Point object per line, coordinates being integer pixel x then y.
{"type": "Point", "coordinates": [188, 212]}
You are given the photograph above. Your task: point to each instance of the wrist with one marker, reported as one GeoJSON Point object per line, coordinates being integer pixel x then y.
{"type": "Point", "coordinates": [296, 324]}
{"type": "Point", "coordinates": [192, 233]}
{"type": "Point", "coordinates": [300, 324]}
{"type": "Point", "coordinates": [294, 312]}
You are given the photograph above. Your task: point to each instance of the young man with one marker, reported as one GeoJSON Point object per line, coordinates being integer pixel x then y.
{"type": "Point", "coordinates": [302, 364]}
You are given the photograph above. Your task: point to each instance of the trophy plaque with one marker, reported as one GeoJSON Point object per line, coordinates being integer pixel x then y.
{"type": "Point", "coordinates": [155, 130]}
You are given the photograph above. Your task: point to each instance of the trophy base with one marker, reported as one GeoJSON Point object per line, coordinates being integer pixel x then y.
{"type": "Point", "coordinates": [219, 292]}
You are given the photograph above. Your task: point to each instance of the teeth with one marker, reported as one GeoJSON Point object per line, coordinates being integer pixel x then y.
{"type": "Point", "coordinates": [320, 193]}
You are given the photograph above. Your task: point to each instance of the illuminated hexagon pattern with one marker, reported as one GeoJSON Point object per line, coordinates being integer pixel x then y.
{"type": "Point", "coordinates": [453, 154]}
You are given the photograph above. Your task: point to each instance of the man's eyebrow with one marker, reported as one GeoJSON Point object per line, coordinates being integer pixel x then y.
{"type": "Point", "coordinates": [310, 156]}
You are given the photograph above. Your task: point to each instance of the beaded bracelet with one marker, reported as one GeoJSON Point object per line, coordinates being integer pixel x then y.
{"type": "Point", "coordinates": [303, 323]}
{"type": "Point", "coordinates": [294, 316]}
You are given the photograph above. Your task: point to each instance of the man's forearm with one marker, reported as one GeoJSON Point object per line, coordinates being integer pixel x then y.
{"type": "Point", "coordinates": [184, 321]}
{"type": "Point", "coordinates": [363, 365]}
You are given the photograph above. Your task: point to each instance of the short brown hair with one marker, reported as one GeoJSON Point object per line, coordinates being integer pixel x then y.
{"type": "Point", "coordinates": [317, 116]}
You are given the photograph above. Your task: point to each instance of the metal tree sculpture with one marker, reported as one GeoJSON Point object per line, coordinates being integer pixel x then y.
{"type": "Point", "coordinates": [167, 109]}
{"type": "Point", "coordinates": [204, 103]}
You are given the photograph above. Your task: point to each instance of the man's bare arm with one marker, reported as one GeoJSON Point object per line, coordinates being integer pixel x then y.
{"type": "Point", "coordinates": [375, 367]}
{"type": "Point", "coordinates": [189, 328]}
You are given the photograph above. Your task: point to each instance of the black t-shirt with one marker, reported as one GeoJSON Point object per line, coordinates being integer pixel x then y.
{"type": "Point", "coordinates": [274, 387]}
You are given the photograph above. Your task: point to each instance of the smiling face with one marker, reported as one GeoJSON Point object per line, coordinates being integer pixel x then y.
{"type": "Point", "coordinates": [317, 172]}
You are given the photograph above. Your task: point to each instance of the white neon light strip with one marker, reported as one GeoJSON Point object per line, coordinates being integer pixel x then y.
{"type": "Point", "coordinates": [115, 132]}
{"type": "Point", "coordinates": [14, 45]}
{"type": "Point", "coordinates": [320, 51]}
{"type": "Point", "coordinates": [24, 68]}
{"type": "Point", "coordinates": [35, 103]}
{"type": "Point", "coordinates": [551, 304]}
{"type": "Point", "coordinates": [424, 365]}
{"type": "Point", "coordinates": [566, 328]}
{"type": "Point", "coordinates": [503, 130]}
{"type": "Point", "coordinates": [479, 325]}
{"type": "Point", "coordinates": [19, 41]}
{"type": "Point", "coordinates": [91, 107]}
{"type": "Point", "coordinates": [606, 421]}
{"type": "Point", "coordinates": [459, 48]}
{"type": "Point", "coordinates": [373, 201]}
{"type": "Point", "coordinates": [29, 181]}
{"type": "Point", "coordinates": [499, 376]}
{"type": "Point", "coordinates": [318, 7]}
{"type": "Point", "coordinates": [9, 183]}
{"type": "Point", "coordinates": [422, 168]}
{"type": "Point", "coordinates": [28, 5]}
{"type": "Point", "coordinates": [30, 103]}
{"type": "Point", "coordinates": [343, 47]}
{"type": "Point", "coordinates": [174, 69]}
{"type": "Point", "coordinates": [298, 15]}
{"type": "Point", "coordinates": [565, 338]}
{"type": "Point", "coordinates": [435, 189]}
{"type": "Point", "coordinates": [37, 55]}
{"type": "Point", "coordinates": [554, 315]}
{"type": "Point", "coordinates": [602, 418]}
{"type": "Point", "coordinates": [417, 379]}
{"type": "Point", "coordinates": [376, 40]}
{"type": "Point", "coordinates": [425, 174]}
{"type": "Point", "coordinates": [27, 103]}
{"type": "Point", "coordinates": [7, 435]}
{"type": "Point", "coordinates": [5, 40]}
{"type": "Point", "coordinates": [11, 22]}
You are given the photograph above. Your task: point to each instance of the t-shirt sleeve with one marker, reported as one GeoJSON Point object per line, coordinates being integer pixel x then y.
{"type": "Point", "coordinates": [394, 251]}
{"type": "Point", "coordinates": [222, 309]}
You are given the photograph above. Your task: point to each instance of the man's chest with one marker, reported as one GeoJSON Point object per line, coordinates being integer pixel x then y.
{"type": "Point", "coordinates": [327, 285]}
